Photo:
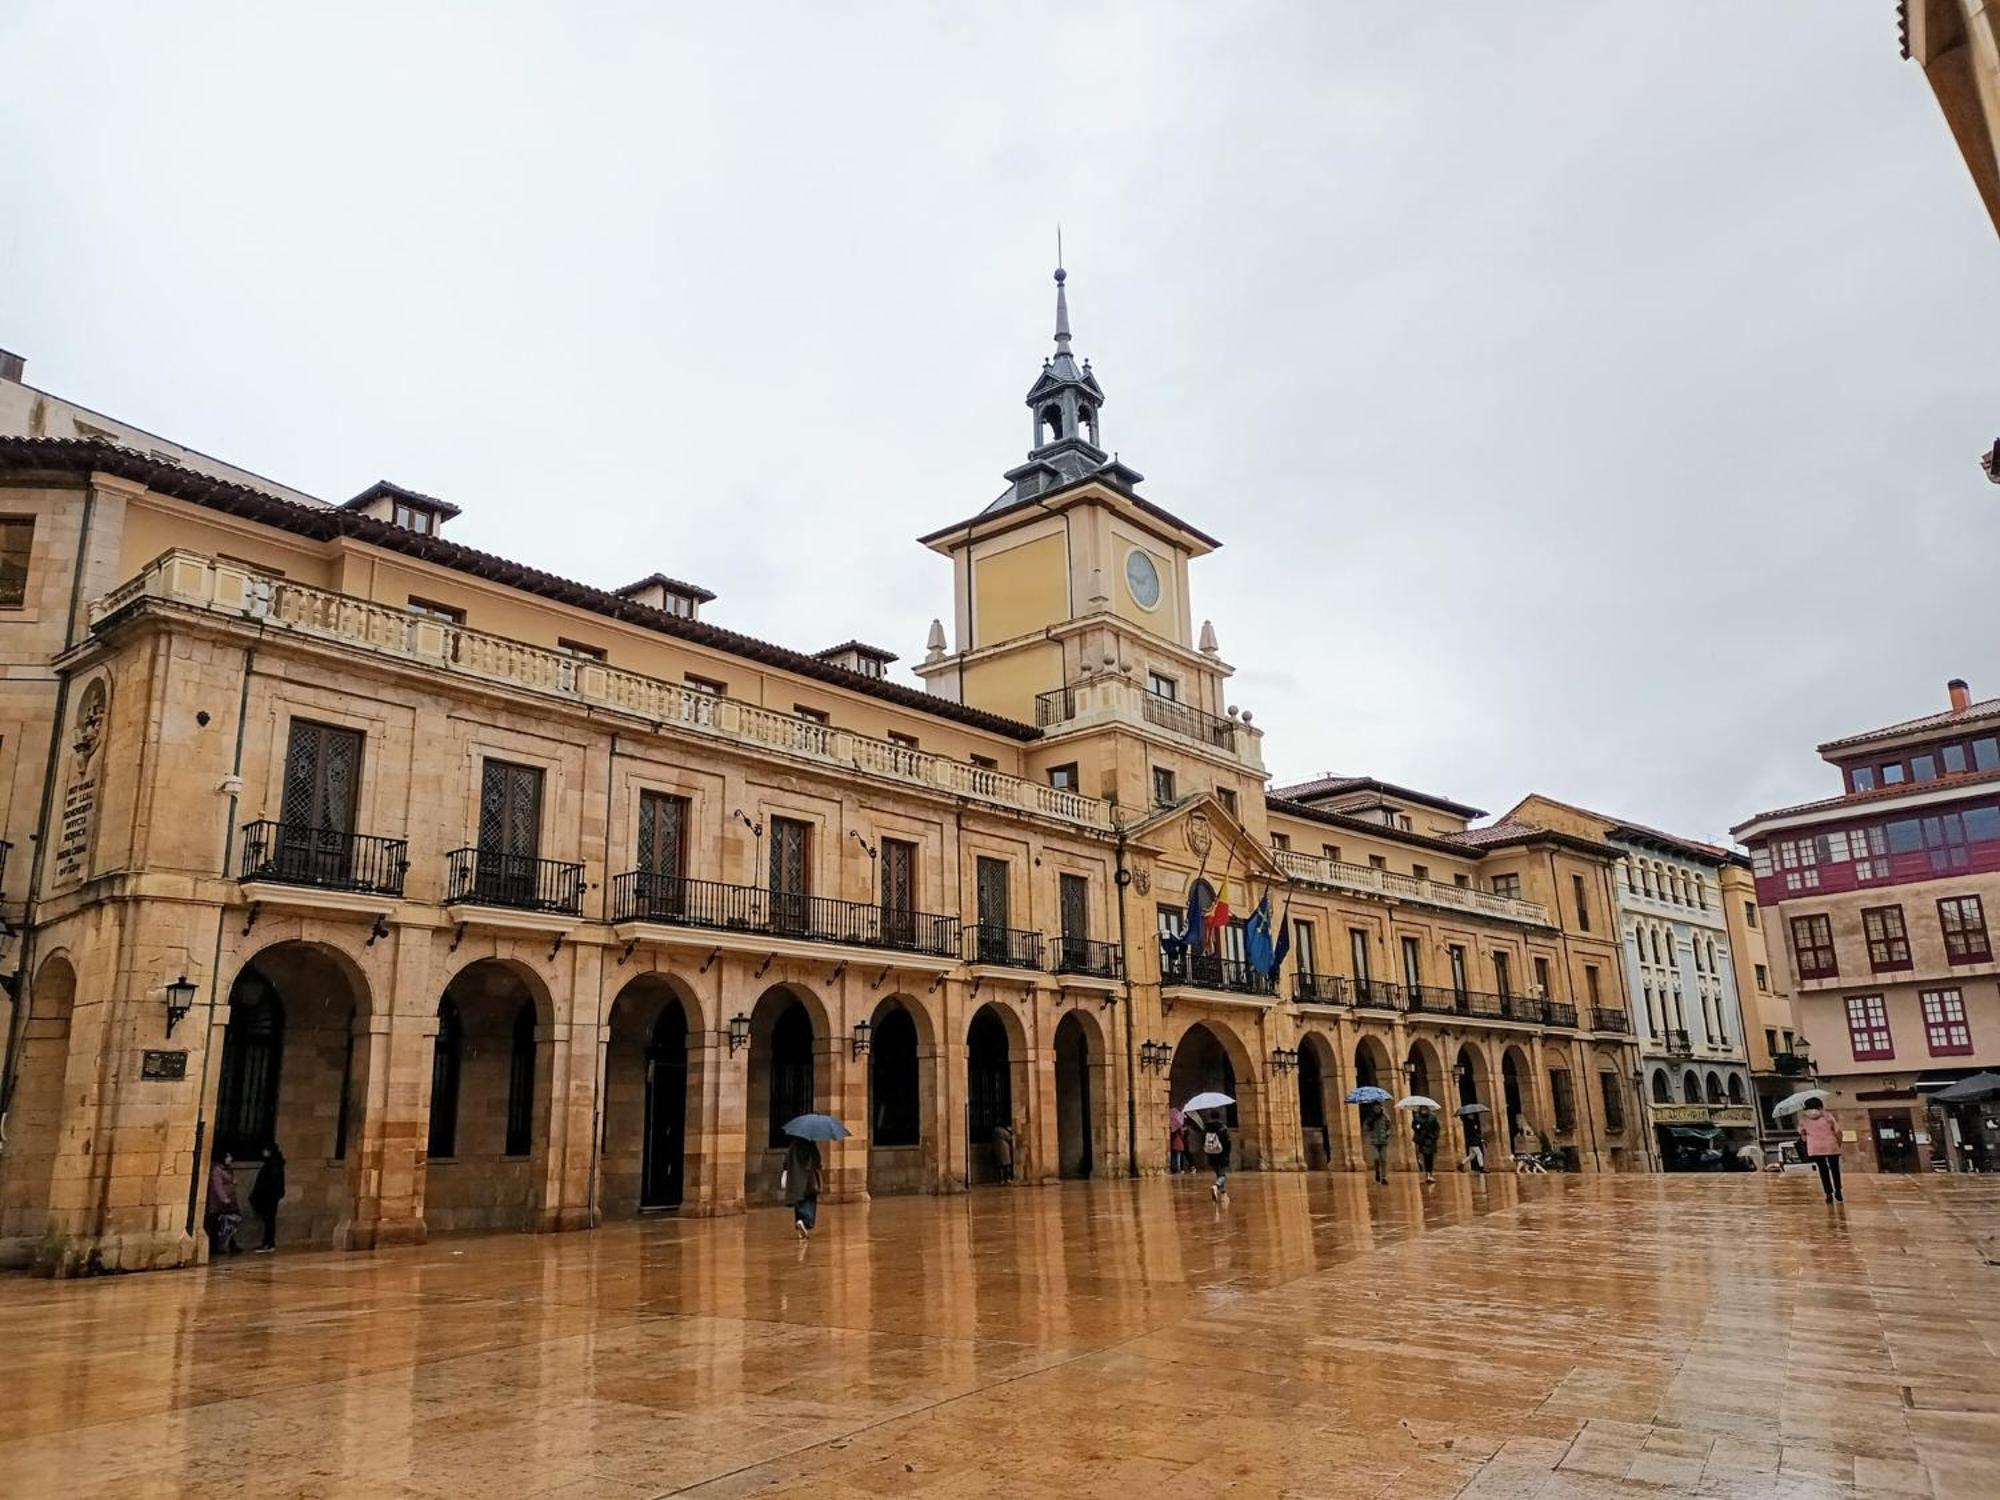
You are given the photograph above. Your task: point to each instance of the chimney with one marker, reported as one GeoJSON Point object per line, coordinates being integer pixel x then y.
{"type": "Point", "coordinates": [1961, 695]}
{"type": "Point", "coordinates": [13, 366]}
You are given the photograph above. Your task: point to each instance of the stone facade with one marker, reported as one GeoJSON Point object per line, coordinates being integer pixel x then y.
{"type": "Point", "coordinates": [610, 892]}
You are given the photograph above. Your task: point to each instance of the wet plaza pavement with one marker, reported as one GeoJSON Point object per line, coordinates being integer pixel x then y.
{"type": "Point", "coordinates": [1546, 1337]}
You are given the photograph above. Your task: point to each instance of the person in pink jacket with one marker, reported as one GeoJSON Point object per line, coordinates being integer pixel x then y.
{"type": "Point", "coordinates": [1821, 1134]}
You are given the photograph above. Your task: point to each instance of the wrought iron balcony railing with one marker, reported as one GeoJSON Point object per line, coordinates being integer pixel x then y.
{"type": "Point", "coordinates": [1376, 994]}
{"type": "Point", "coordinates": [1318, 989]}
{"type": "Point", "coordinates": [1603, 1018]}
{"type": "Point", "coordinates": [1679, 1044]}
{"type": "Point", "coordinates": [1429, 999]}
{"type": "Point", "coordinates": [1089, 957]}
{"type": "Point", "coordinates": [1557, 1013]}
{"type": "Point", "coordinates": [676, 901]}
{"type": "Point", "coordinates": [1009, 947]}
{"type": "Point", "coordinates": [1480, 1003]}
{"type": "Point", "coordinates": [487, 877]}
{"type": "Point", "coordinates": [1524, 1008]}
{"type": "Point", "coordinates": [1210, 971]}
{"type": "Point", "coordinates": [1057, 706]}
{"type": "Point", "coordinates": [326, 859]}
{"type": "Point", "coordinates": [1191, 723]}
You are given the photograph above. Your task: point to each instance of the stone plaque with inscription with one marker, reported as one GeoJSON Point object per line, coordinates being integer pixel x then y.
{"type": "Point", "coordinates": [76, 824]}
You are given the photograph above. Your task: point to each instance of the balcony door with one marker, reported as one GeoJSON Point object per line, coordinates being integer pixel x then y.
{"type": "Point", "coordinates": [790, 883]}
{"type": "Point", "coordinates": [990, 878]}
{"type": "Point", "coordinates": [1073, 899]}
{"type": "Point", "coordinates": [899, 892]}
{"type": "Point", "coordinates": [510, 833]}
{"type": "Point", "coordinates": [662, 847]}
{"type": "Point", "coordinates": [316, 822]}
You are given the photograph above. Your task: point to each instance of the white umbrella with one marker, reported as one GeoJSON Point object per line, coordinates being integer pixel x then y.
{"type": "Point", "coordinates": [1417, 1101]}
{"type": "Point", "coordinates": [1207, 1101]}
{"type": "Point", "coordinates": [1796, 1102]}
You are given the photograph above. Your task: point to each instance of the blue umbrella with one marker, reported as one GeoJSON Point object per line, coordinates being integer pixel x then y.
{"type": "Point", "coordinates": [816, 1128]}
{"type": "Point", "coordinates": [1368, 1094]}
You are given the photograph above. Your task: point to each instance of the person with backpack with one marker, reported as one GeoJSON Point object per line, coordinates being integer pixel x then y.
{"type": "Point", "coordinates": [1215, 1146]}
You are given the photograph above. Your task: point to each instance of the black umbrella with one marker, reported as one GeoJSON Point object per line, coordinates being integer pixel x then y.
{"type": "Point", "coordinates": [1974, 1090]}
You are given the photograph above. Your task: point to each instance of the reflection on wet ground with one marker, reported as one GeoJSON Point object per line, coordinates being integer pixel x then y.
{"type": "Point", "coordinates": [1319, 1337]}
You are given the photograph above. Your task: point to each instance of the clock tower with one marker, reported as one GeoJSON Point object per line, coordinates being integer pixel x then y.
{"type": "Point", "coordinates": [1070, 589]}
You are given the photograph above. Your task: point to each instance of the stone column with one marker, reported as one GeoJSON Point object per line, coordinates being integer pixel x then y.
{"type": "Point", "coordinates": [392, 1094]}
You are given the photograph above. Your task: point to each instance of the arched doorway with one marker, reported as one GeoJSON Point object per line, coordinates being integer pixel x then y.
{"type": "Point", "coordinates": [1512, 1092]}
{"type": "Point", "coordinates": [1316, 1138]}
{"type": "Point", "coordinates": [286, 1079]}
{"type": "Point", "coordinates": [1466, 1074]}
{"type": "Point", "coordinates": [783, 1082]}
{"type": "Point", "coordinates": [642, 1163]}
{"type": "Point", "coordinates": [1425, 1071]}
{"type": "Point", "coordinates": [895, 1102]}
{"type": "Point", "coordinates": [989, 1093]}
{"type": "Point", "coordinates": [34, 1114]}
{"type": "Point", "coordinates": [1714, 1088]}
{"type": "Point", "coordinates": [487, 1137]}
{"type": "Point", "coordinates": [1663, 1091]}
{"type": "Point", "coordinates": [1210, 1056]}
{"type": "Point", "coordinates": [1077, 1103]}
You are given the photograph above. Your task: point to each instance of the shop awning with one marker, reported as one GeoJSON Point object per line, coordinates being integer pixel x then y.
{"type": "Point", "coordinates": [1695, 1132]}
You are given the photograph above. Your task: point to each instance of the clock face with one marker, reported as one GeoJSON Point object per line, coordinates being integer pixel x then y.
{"type": "Point", "coordinates": [1142, 578]}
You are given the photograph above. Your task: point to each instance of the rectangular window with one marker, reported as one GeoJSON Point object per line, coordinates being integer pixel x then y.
{"type": "Point", "coordinates": [1562, 1100]}
{"type": "Point", "coordinates": [1923, 768]}
{"type": "Point", "coordinates": [811, 715]}
{"type": "Point", "coordinates": [1462, 881]}
{"type": "Point", "coordinates": [790, 874]}
{"type": "Point", "coordinates": [1892, 774]}
{"type": "Point", "coordinates": [1163, 686]}
{"type": "Point", "coordinates": [1750, 913]}
{"type": "Point", "coordinates": [1963, 922]}
{"type": "Point", "coordinates": [1305, 948]}
{"type": "Point", "coordinates": [1812, 943]}
{"type": "Point", "coordinates": [899, 891]}
{"type": "Point", "coordinates": [1763, 978]}
{"type": "Point", "coordinates": [1590, 984]}
{"type": "Point", "coordinates": [1582, 896]}
{"type": "Point", "coordinates": [663, 821]}
{"type": "Point", "coordinates": [1378, 862]}
{"type": "Point", "coordinates": [1868, 1028]}
{"type": "Point", "coordinates": [1861, 779]}
{"type": "Point", "coordinates": [410, 518]}
{"type": "Point", "coordinates": [1954, 758]}
{"type": "Point", "coordinates": [510, 830]}
{"type": "Point", "coordinates": [1420, 872]}
{"type": "Point", "coordinates": [1508, 886]}
{"type": "Point", "coordinates": [1503, 975]}
{"type": "Point", "coordinates": [1228, 800]}
{"type": "Point", "coordinates": [1330, 852]}
{"type": "Point", "coordinates": [1458, 984]}
{"type": "Point", "coordinates": [582, 650]}
{"type": "Point", "coordinates": [1888, 942]}
{"type": "Point", "coordinates": [902, 741]}
{"type": "Point", "coordinates": [1542, 984]}
{"type": "Point", "coordinates": [1063, 778]}
{"type": "Point", "coordinates": [1413, 962]}
{"type": "Point", "coordinates": [990, 880]}
{"type": "Point", "coordinates": [17, 544]}
{"type": "Point", "coordinates": [1163, 787]}
{"type": "Point", "coordinates": [1357, 953]}
{"type": "Point", "coordinates": [430, 609]}
{"type": "Point", "coordinates": [984, 762]}
{"type": "Point", "coordinates": [322, 782]}
{"type": "Point", "coordinates": [1614, 1101]}
{"type": "Point", "coordinates": [1986, 754]}
{"type": "Point", "coordinates": [707, 685]}
{"type": "Point", "coordinates": [1073, 906]}
{"type": "Point", "coordinates": [1945, 1026]}
{"type": "Point", "coordinates": [1281, 841]}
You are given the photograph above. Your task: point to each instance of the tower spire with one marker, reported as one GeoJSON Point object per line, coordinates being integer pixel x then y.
{"type": "Point", "coordinates": [1062, 300]}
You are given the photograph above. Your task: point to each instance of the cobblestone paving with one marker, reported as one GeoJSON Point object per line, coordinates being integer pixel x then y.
{"type": "Point", "coordinates": [1546, 1337]}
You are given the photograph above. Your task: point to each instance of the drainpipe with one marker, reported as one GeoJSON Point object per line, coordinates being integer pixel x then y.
{"type": "Point", "coordinates": [17, 1020]}
{"type": "Point", "coordinates": [195, 1173]}
{"type": "Point", "coordinates": [1124, 879]}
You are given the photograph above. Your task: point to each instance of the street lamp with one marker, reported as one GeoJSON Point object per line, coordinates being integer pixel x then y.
{"type": "Point", "coordinates": [739, 1033]}
{"type": "Point", "coordinates": [180, 1000]}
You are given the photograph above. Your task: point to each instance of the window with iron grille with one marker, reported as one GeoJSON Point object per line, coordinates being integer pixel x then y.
{"type": "Point", "coordinates": [1868, 1028]}
{"type": "Point", "coordinates": [1812, 944]}
{"type": "Point", "coordinates": [1963, 921]}
{"type": "Point", "coordinates": [521, 1083]}
{"type": "Point", "coordinates": [899, 889]}
{"type": "Point", "coordinates": [1945, 1025]}
{"type": "Point", "coordinates": [1614, 1101]}
{"type": "Point", "coordinates": [1562, 1099]}
{"type": "Point", "coordinates": [1073, 892]}
{"type": "Point", "coordinates": [1888, 942]}
{"type": "Point", "coordinates": [253, 1045]}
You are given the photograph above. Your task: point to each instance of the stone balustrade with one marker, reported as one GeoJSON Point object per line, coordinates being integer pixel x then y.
{"type": "Point", "coordinates": [1368, 880]}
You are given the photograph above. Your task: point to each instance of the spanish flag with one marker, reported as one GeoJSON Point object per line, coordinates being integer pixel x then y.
{"type": "Point", "coordinates": [1218, 915]}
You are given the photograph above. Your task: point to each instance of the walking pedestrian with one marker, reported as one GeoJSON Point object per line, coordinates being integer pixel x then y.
{"type": "Point", "coordinates": [1003, 1150]}
{"type": "Point", "coordinates": [225, 1210]}
{"type": "Point", "coordinates": [1819, 1133]}
{"type": "Point", "coordinates": [1177, 1146]}
{"type": "Point", "coordinates": [266, 1193]}
{"type": "Point", "coordinates": [1375, 1131]}
{"type": "Point", "coordinates": [1424, 1129]}
{"type": "Point", "coordinates": [1215, 1146]}
{"type": "Point", "coordinates": [1475, 1146]}
{"type": "Point", "coordinates": [800, 1182]}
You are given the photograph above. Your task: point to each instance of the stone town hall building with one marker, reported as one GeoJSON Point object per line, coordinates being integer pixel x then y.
{"type": "Point", "coordinates": [503, 900]}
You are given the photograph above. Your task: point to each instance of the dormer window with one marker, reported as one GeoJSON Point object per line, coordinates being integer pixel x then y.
{"type": "Point", "coordinates": [424, 515]}
{"type": "Point", "coordinates": [858, 657]}
{"type": "Point", "coordinates": [414, 518]}
{"type": "Point", "coordinates": [668, 595]}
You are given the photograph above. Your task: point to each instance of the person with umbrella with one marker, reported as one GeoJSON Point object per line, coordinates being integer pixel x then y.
{"type": "Point", "coordinates": [1424, 1131]}
{"type": "Point", "coordinates": [1820, 1132]}
{"type": "Point", "coordinates": [1475, 1138]}
{"type": "Point", "coordinates": [801, 1180]}
{"type": "Point", "coordinates": [1374, 1126]}
{"type": "Point", "coordinates": [1177, 1151]}
{"type": "Point", "coordinates": [1214, 1138]}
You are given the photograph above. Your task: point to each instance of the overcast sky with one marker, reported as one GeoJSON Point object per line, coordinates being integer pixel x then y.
{"type": "Point", "coordinates": [1588, 395]}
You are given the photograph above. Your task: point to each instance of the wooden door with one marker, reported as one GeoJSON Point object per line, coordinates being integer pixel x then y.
{"type": "Point", "coordinates": [662, 848]}
{"type": "Point", "coordinates": [510, 831]}
{"type": "Point", "coordinates": [790, 882]}
{"type": "Point", "coordinates": [899, 892]}
{"type": "Point", "coordinates": [316, 820]}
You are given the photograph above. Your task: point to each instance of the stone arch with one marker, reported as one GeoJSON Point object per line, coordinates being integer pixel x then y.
{"type": "Point", "coordinates": [1424, 1071]}
{"type": "Point", "coordinates": [290, 1075]}
{"type": "Point", "coordinates": [902, 1096]}
{"type": "Point", "coordinates": [652, 1094]}
{"type": "Point", "coordinates": [1372, 1064]}
{"type": "Point", "coordinates": [1663, 1088]}
{"type": "Point", "coordinates": [1208, 1054]}
{"type": "Point", "coordinates": [1736, 1088]}
{"type": "Point", "coordinates": [789, 1074]}
{"type": "Point", "coordinates": [1471, 1077]}
{"type": "Point", "coordinates": [1517, 1103]}
{"type": "Point", "coordinates": [1085, 1143]}
{"type": "Point", "coordinates": [997, 1089]}
{"type": "Point", "coordinates": [34, 1113]}
{"type": "Point", "coordinates": [1690, 1087]}
{"type": "Point", "coordinates": [487, 1104]}
{"type": "Point", "coordinates": [1714, 1087]}
{"type": "Point", "coordinates": [1318, 1080]}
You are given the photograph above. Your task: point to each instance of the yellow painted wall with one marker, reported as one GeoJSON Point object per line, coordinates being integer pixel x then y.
{"type": "Point", "coordinates": [1019, 591]}
{"type": "Point", "coordinates": [1008, 684]}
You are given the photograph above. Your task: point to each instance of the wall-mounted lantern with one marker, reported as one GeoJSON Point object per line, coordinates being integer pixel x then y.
{"type": "Point", "coordinates": [863, 1038]}
{"type": "Point", "coordinates": [1154, 1056]}
{"type": "Point", "coordinates": [739, 1033]}
{"type": "Point", "coordinates": [180, 1000]}
{"type": "Point", "coordinates": [1284, 1059]}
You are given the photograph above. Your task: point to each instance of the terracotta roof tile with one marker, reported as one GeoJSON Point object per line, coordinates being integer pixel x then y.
{"type": "Point", "coordinates": [1966, 779]}
{"type": "Point", "coordinates": [1985, 711]}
